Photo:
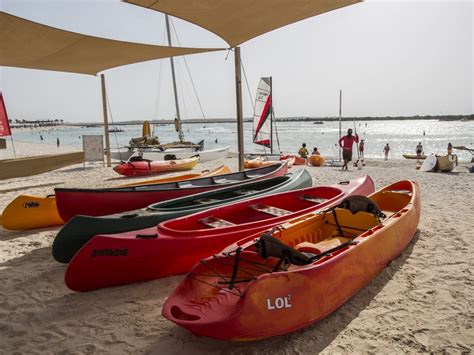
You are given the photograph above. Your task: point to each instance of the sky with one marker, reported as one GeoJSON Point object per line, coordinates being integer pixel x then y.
{"type": "Point", "coordinates": [390, 58]}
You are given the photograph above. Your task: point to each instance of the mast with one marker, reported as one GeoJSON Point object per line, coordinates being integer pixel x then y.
{"type": "Point", "coordinates": [340, 118]}
{"type": "Point", "coordinates": [271, 117]}
{"type": "Point", "coordinates": [178, 116]}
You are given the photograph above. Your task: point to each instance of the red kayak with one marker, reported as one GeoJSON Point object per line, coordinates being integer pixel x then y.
{"type": "Point", "coordinates": [101, 202]}
{"type": "Point", "coordinates": [287, 278]}
{"type": "Point", "coordinates": [176, 245]}
{"type": "Point", "coordinates": [140, 167]}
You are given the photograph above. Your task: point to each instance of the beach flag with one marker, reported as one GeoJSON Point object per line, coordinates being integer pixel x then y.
{"type": "Point", "coordinates": [4, 124]}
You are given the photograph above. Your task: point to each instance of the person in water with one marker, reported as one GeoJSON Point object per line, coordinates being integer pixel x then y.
{"type": "Point", "coordinates": [57, 142]}
{"type": "Point", "coordinates": [315, 151]}
{"type": "Point", "coordinates": [386, 149]}
{"type": "Point", "coordinates": [303, 152]}
{"type": "Point", "coordinates": [419, 149]}
{"type": "Point", "coordinates": [346, 143]}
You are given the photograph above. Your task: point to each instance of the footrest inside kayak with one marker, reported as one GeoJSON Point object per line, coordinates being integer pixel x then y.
{"type": "Point", "coordinates": [273, 211]}
{"type": "Point", "coordinates": [215, 222]}
{"type": "Point", "coordinates": [316, 200]}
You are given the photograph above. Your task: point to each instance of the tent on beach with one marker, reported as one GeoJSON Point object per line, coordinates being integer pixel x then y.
{"type": "Point", "coordinates": [36, 46]}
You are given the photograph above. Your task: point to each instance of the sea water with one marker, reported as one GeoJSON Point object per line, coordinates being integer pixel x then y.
{"type": "Point", "coordinates": [401, 135]}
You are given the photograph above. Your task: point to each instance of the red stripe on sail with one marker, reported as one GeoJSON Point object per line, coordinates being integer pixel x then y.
{"type": "Point", "coordinates": [265, 142]}
{"type": "Point", "coordinates": [263, 117]}
{"type": "Point", "coordinates": [4, 123]}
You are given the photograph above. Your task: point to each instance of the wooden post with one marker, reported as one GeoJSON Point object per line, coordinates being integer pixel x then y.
{"type": "Point", "coordinates": [240, 118]}
{"type": "Point", "coordinates": [106, 121]}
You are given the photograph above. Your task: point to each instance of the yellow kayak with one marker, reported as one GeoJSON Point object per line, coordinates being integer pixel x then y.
{"type": "Point", "coordinates": [29, 212]}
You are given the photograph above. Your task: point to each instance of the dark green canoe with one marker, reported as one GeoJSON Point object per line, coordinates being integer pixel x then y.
{"type": "Point", "coordinates": [80, 229]}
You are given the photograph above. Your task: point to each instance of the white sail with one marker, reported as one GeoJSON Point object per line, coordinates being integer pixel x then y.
{"type": "Point", "coordinates": [262, 114]}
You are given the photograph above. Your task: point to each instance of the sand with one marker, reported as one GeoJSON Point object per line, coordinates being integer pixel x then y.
{"type": "Point", "coordinates": [422, 302]}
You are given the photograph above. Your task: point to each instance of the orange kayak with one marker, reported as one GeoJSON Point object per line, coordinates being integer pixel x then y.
{"type": "Point", "coordinates": [317, 160]}
{"type": "Point", "coordinates": [299, 272]}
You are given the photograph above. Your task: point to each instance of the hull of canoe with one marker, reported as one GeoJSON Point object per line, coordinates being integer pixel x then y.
{"type": "Point", "coordinates": [101, 202]}
{"type": "Point", "coordinates": [271, 304]}
{"type": "Point", "coordinates": [80, 229]}
{"type": "Point", "coordinates": [29, 212]}
{"type": "Point", "coordinates": [108, 260]}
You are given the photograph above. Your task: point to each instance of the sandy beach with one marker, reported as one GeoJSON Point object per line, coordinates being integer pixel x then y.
{"type": "Point", "coordinates": [421, 302]}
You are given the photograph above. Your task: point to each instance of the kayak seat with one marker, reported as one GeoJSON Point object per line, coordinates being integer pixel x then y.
{"type": "Point", "coordinates": [245, 192]}
{"type": "Point", "coordinates": [220, 180]}
{"type": "Point", "coordinates": [322, 246]}
{"type": "Point", "coordinates": [273, 211]}
{"type": "Point", "coordinates": [316, 200]}
{"type": "Point", "coordinates": [202, 201]}
{"type": "Point", "coordinates": [268, 246]}
{"type": "Point", "coordinates": [215, 222]}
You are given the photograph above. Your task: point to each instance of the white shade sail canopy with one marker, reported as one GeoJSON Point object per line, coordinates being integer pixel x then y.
{"type": "Point", "coordinates": [237, 21]}
{"type": "Point", "coordinates": [27, 44]}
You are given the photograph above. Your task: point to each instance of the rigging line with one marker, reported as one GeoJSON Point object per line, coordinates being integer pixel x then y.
{"type": "Point", "coordinates": [159, 84]}
{"type": "Point", "coordinates": [247, 84]}
{"type": "Point", "coordinates": [112, 120]}
{"type": "Point", "coordinates": [276, 129]}
{"type": "Point", "coordinates": [189, 72]}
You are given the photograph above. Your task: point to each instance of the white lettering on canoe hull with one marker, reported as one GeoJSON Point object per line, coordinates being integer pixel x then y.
{"type": "Point", "coordinates": [279, 303]}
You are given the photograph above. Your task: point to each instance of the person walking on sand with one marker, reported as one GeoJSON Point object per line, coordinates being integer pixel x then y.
{"type": "Point", "coordinates": [419, 149]}
{"type": "Point", "coordinates": [57, 142]}
{"type": "Point", "coordinates": [346, 143]}
{"type": "Point", "coordinates": [386, 149]}
{"type": "Point", "coordinates": [361, 148]}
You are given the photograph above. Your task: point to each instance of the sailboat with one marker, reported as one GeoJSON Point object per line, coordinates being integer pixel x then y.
{"type": "Point", "coordinates": [263, 121]}
{"type": "Point", "coordinates": [173, 150]}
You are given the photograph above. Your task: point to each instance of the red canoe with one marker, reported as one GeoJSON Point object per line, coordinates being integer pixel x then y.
{"type": "Point", "coordinates": [286, 279]}
{"type": "Point", "coordinates": [101, 202]}
{"type": "Point", "coordinates": [176, 245]}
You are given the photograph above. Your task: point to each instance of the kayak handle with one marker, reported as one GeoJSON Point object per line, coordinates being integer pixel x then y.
{"type": "Point", "coordinates": [146, 236]}
{"type": "Point", "coordinates": [346, 182]}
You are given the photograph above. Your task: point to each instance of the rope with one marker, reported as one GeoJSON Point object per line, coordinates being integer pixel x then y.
{"type": "Point", "coordinates": [189, 73]}
{"type": "Point", "coordinates": [247, 84]}
{"type": "Point", "coordinates": [113, 124]}
{"type": "Point", "coordinates": [158, 89]}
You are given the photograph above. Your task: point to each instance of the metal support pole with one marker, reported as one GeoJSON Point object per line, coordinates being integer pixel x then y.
{"type": "Point", "coordinates": [106, 121]}
{"type": "Point", "coordinates": [240, 118]}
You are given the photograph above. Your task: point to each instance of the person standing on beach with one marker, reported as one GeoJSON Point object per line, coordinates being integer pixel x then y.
{"type": "Point", "coordinates": [419, 149]}
{"type": "Point", "coordinates": [346, 143]}
{"type": "Point", "coordinates": [57, 142]}
{"type": "Point", "coordinates": [450, 149]}
{"type": "Point", "coordinates": [386, 149]}
{"type": "Point", "coordinates": [41, 136]}
{"type": "Point", "coordinates": [361, 149]}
